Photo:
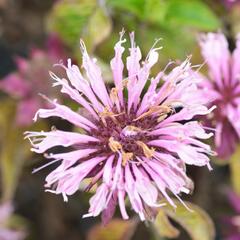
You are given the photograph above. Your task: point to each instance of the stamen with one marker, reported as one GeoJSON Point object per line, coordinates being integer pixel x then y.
{"type": "Point", "coordinates": [162, 109]}
{"type": "Point", "coordinates": [107, 113]}
{"type": "Point", "coordinates": [148, 152]}
{"type": "Point", "coordinates": [45, 165]}
{"type": "Point", "coordinates": [125, 82]}
{"type": "Point", "coordinates": [126, 156]}
{"type": "Point", "coordinates": [114, 145]}
{"type": "Point", "coordinates": [162, 117]}
{"type": "Point", "coordinates": [114, 95]}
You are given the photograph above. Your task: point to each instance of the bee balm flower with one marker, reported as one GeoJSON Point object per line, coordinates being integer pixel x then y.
{"type": "Point", "coordinates": [230, 3]}
{"type": "Point", "coordinates": [30, 78]}
{"type": "Point", "coordinates": [222, 88]}
{"type": "Point", "coordinates": [233, 222]}
{"type": "Point", "coordinates": [133, 146]}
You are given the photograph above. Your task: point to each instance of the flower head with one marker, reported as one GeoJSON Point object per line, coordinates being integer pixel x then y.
{"type": "Point", "coordinates": [136, 140]}
{"type": "Point", "coordinates": [230, 3]}
{"type": "Point", "coordinates": [222, 88]}
{"type": "Point", "coordinates": [31, 78]}
{"type": "Point", "coordinates": [7, 233]}
{"type": "Point", "coordinates": [234, 221]}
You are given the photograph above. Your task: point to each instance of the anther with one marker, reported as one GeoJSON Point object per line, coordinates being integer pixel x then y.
{"type": "Point", "coordinates": [162, 109]}
{"type": "Point", "coordinates": [162, 117]}
{"type": "Point", "coordinates": [126, 156]}
{"type": "Point", "coordinates": [125, 83]}
{"type": "Point", "coordinates": [114, 145]}
{"type": "Point", "coordinates": [114, 95]}
{"type": "Point", "coordinates": [107, 113]}
{"type": "Point", "coordinates": [148, 152]}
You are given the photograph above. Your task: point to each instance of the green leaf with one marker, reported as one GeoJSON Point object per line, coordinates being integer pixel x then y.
{"type": "Point", "coordinates": [77, 19]}
{"type": "Point", "coordinates": [116, 230]}
{"type": "Point", "coordinates": [7, 109]}
{"type": "Point", "coordinates": [192, 13]}
{"type": "Point", "coordinates": [170, 36]}
{"type": "Point", "coordinates": [197, 223]}
{"type": "Point", "coordinates": [69, 18]}
{"type": "Point", "coordinates": [133, 6]}
{"type": "Point", "coordinates": [155, 11]}
{"type": "Point", "coordinates": [18, 223]}
{"type": "Point", "coordinates": [164, 227]}
{"type": "Point", "coordinates": [14, 149]}
{"type": "Point", "coordinates": [234, 167]}
{"type": "Point", "coordinates": [8, 136]}
{"type": "Point", "coordinates": [98, 28]}
{"type": "Point", "coordinates": [152, 11]}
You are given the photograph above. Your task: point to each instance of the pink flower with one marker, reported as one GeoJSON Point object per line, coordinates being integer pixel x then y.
{"type": "Point", "coordinates": [234, 221]}
{"type": "Point", "coordinates": [230, 3]}
{"type": "Point", "coordinates": [135, 143]}
{"type": "Point", "coordinates": [222, 88]}
{"type": "Point", "coordinates": [30, 79]}
{"type": "Point", "coordinates": [7, 233]}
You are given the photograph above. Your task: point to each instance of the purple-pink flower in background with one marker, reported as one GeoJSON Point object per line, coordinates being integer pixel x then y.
{"type": "Point", "coordinates": [7, 233]}
{"type": "Point", "coordinates": [234, 221]}
{"type": "Point", "coordinates": [230, 3]}
{"type": "Point", "coordinates": [134, 142]}
{"type": "Point", "coordinates": [222, 88]}
{"type": "Point", "coordinates": [32, 78]}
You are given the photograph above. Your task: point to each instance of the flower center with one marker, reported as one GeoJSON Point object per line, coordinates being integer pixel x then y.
{"type": "Point", "coordinates": [227, 97]}
{"type": "Point", "coordinates": [228, 94]}
{"type": "Point", "coordinates": [125, 133]}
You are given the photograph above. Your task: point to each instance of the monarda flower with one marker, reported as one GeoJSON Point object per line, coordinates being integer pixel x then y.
{"type": "Point", "coordinates": [222, 88]}
{"type": "Point", "coordinates": [136, 140]}
{"type": "Point", "coordinates": [234, 221]}
{"type": "Point", "coordinates": [31, 78]}
{"type": "Point", "coordinates": [230, 3]}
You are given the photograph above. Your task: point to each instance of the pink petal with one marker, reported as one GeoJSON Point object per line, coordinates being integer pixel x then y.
{"type": "Point", "coordinates": [109, 211]}
{"type": "Point", "coordinates": [15, 85]}
{"type": "Point", "coordinates": [68, 180]}
{"type": "Point", "coordinates": [81, 84]}
{"type": "Point", "coordinates": [42, 141]}
{"type": "Point", "coordinates": [95, 77]}
{"type": "Point", "coordinates": [145, 188]}
{"type": "Point", "coordinates": [216, 54]}
{"type": "Point", "coordinates": [26, 110]}
{"type": "Point", "coordinates": [236, 62]}
{"type": "Point", "coordinates": [225, 140]}
{"type": "Point", "coordinates": [98, 201]}
{"type": "Point", "coordinates": [234, 200]}
{"type": "Point", "coordinates": [73, 93]}
{"type": "Point", "coordinates": [55, 47]}
{"type": "Point", "coordinates": [65, 113]}
{"type": "Point", "coordinates": [117, 66]}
